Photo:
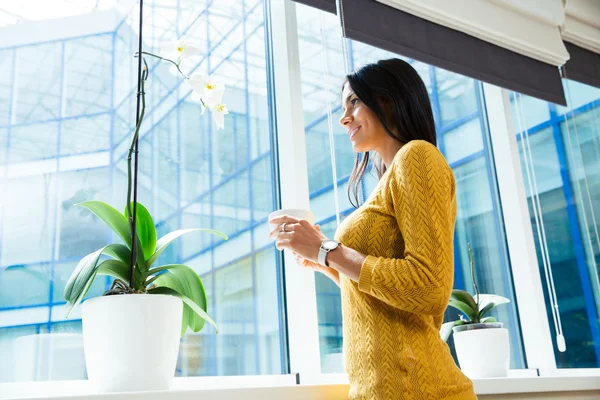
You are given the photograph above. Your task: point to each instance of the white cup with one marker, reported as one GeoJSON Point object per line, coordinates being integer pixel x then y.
{"type": "Point", "coordinates": [299, 213]}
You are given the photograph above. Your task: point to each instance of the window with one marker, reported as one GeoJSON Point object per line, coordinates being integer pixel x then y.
{"type": "Point", "coordinates": [564, 144]}
{"type": "Point", "coordinates": [65, 141]}
{"type": "Point", "coordinates": [462, 138]}
{"type": "Point", "coordinates": [67, 113]}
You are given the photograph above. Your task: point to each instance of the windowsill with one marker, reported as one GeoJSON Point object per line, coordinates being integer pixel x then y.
{"type": "Point", "coordinates": [276, 387]}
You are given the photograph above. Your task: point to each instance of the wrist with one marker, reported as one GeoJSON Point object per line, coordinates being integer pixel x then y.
{"type": "Point", "coordinates": [327, 246]}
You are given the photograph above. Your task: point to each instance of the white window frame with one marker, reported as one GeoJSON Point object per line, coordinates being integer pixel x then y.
{"type": "Point", "coordinates": [537, 341]}
{"type": "Point", "coordinates": [301, 295]}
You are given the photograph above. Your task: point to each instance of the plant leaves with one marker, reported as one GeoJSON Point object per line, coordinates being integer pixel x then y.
{"type": "Point", "coordinates": [72, 304]}
{"type": "Point", "coordinates": [164, 241]}
{"type": "Point", "coordinates": [464, 297]}
{"type": "Point", "coordinates": [485, 310]}
{"type": "Point", "coordinates": [82, 277]}
{"type": "Point", "coordinates": [145, 230]}
{"type": "Point", "coordinates": [190, 286]}
{"type": "Point", "coordinates": [168, 280]}
{"type": "Point", "coordinates": [119, 252]}
{"type": "Point", "coordinates": [465, 308]}
{"type": "Point", "coordinates": [114, 268]}
{"type": "Point", "coordinates": [122, 253]}
{"type": "Point", "coordinates": [485, 299]}
{"type": "Point", "coordinates": [447, 328]}
{"type": "Point", "coordinates": [84, 271]}
{"type": "Point", "coordinates": [488, 319]}
{"type": "Point", "coordinates": [199, 311]}
{"type": "Point", "coordinates": [111, 217]}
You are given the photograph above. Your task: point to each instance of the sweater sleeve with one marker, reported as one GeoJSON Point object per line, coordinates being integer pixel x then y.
{"type": "Point", "coordinates": [421, 194]}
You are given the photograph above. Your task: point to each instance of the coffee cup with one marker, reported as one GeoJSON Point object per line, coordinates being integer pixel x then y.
{"type": "Point", "coordinates": [299, 213]}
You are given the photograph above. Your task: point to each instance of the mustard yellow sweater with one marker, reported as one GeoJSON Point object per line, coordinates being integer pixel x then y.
{"type": "Point", "coordinates": [392, 316]}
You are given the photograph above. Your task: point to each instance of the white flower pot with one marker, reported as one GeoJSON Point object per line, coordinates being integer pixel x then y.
{"type": "Point", "coordinates": [482, 349]}
{"type": "Point", "coordinates": [131, 341]}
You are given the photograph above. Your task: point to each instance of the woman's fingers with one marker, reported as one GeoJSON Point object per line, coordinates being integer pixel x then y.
{"type": "Point", "coordinates": [289, 227]}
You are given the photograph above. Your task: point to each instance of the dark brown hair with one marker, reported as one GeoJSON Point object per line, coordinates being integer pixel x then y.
{"type": "Point", "coordinates": [395, 86]}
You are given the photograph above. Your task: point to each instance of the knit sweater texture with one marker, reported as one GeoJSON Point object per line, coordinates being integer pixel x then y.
{"type": "Point", "coordinates": [392, 316]}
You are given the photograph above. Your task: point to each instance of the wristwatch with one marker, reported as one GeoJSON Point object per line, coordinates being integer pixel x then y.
{"type": "Point", "coordinates": [326, 247]}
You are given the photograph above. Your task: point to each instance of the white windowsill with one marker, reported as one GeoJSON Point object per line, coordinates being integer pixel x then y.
{"type": "Point", "coordinates": [275, 387]}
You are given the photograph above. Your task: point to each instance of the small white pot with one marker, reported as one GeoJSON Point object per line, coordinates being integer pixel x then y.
{"type": "Point", "coordinates": [131, 341]}
{"type": "Point", "coordinates": [482, 349]}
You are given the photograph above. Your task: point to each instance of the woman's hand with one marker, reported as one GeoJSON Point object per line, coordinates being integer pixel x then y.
{"type": "Point", "coordinates": [304, 240]}
{"type": "Point", "coordinates": [299, 236]}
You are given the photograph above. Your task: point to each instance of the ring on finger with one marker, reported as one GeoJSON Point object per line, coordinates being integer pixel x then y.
{"type": "Point", "coordinates": [283, 227]}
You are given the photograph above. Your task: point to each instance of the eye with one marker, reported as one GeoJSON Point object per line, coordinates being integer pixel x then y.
{"type": "Point", "coordinates": [354, 101]}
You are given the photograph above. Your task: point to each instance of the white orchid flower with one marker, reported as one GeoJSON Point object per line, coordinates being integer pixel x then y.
{"type": "Point", "coordinates": [218, 112]}
{"type": "Point", "coordinates": [210, 93]}
{"type": "Point", "coordinates": [207, 89]}
{"type": "Point", "coordinates": [178, 49]}
{"type": "Point", "coordinates": [213, 94]}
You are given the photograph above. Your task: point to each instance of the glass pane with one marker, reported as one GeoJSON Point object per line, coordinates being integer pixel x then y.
{"type": "Point", "coordinates": [88, 62]}
{"type": "Point", "coordinates": [37, 278]}
{"type": "Point", "coordinates": [457, 97]}
{"type": "Point", "coordinates": [73, 108]}
{"type": "Point", "coordinates": [3, 145]}
{"type": "Point", "coordinates": [38, 76]}
{"type": "Point", "coordinates": [6, 84]}
{"type": "Point", "coordinates": [33, 142]}
{"type": "Point", "coordinates": [462, 139]}
{"type": "Point", "coordinates": [85, 135]}
{"type": "Point", "coordinates": [28, 225]}
{"type": "Point", "coordinates": [565, 151]}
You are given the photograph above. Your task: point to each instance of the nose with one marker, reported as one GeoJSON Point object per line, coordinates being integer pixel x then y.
{"type": "Point", "coordinates": [346, 119]}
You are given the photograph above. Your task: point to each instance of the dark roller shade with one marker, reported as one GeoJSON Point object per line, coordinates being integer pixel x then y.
{"type": "Point", "coordinates": [388, 28]}
{"type": "Point", "coordinates": [583, 66]}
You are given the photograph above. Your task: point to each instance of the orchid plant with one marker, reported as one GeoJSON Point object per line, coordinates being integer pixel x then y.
{"type": "Point", "coordinates": [131, 263]}
{"type": "Point", "coordinates": [474, 310]}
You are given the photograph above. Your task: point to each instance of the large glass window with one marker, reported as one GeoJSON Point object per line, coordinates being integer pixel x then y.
{"type": "Point", "coordinates": [462, 138]}
{"type": "Point", "coordinates": [66, 119]}
{"type": "Point", "coordinates": [560, 158]}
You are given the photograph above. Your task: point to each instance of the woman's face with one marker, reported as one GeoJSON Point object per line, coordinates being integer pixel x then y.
{"type": "Point", "coordinates": [365, 130]}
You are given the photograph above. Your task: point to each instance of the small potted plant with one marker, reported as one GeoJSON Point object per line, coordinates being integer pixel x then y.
{"type": "Point", "coordinates": [481, 342]}
{"type": "Point", "coordinates": [131, 333]}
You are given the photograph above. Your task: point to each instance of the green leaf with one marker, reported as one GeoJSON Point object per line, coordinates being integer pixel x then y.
{"type": "Point", "coordinates": [485, 310]}
{"type": "Point", "coordinates": [190, 286]}
{"type": "Point", "coordinates": [447, 328]}
{"type": "Point", "coordinates": [464, 297]}
{"type": "Point", "coordinates": [145, 229]}
{"type": "Point", "coordinates": [488, 319]}
{"type": "Point", "coordinates": [122, 253]}
{"type": "Point", "coordinates": [82, 277]}
{"type": "Point", "coordinates": [465, 308]}
{"type": "Point", "coordinates": [119, 252]}
{"type": "Point", "coordinates": [164, 241]}
{"type": "Point", "coordinates": [72, 304]}
{"type": "Point", "coordinates": [111, 217]}
{"type": "Point", "coordinates": [199, 311]}
{"type": "Point", "coordinates": [114, 268]}
{"type": "Point", "coordinates": [485, 299]}
{"type": "Point", "coordinates": [84, 272]}
{"type": "Point", "coordinates": [171, 281]}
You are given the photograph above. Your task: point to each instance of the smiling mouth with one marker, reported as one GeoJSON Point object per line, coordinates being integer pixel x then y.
{"type": "Point", "coordinates": [353, 131]}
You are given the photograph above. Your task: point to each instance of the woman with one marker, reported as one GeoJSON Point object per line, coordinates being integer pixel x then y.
{"type": "Point", "coordinates": [394, 259]}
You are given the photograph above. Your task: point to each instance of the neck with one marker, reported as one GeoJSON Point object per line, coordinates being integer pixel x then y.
{"type": "Point", "coordinates": [388, 151]}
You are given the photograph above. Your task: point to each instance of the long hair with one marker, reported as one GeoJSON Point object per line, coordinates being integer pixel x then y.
{"type": "Point", "coordinates": [394, 91]}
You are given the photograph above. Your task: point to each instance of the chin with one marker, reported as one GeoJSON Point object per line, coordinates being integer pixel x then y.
{"type": "Point", "coordinates": [358, 148]}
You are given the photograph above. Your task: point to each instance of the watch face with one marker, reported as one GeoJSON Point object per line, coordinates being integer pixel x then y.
{"type": "Point", "coordinates": [330, 244]}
